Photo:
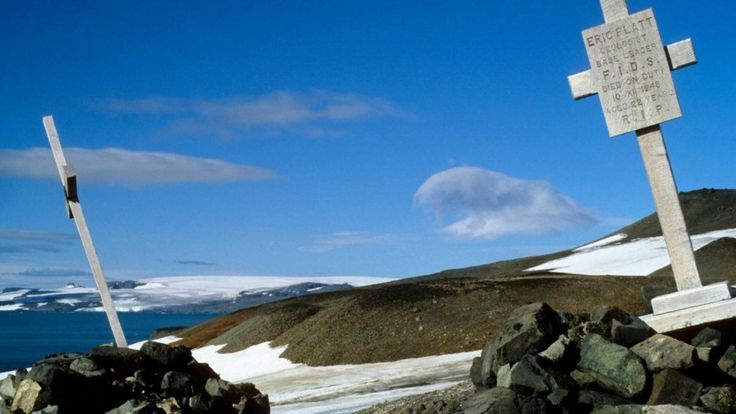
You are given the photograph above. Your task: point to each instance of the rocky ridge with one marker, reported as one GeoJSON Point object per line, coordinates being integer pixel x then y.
{"type": "Point", "coordinates": [158, 379]}
{"type": "Point", "coordinates": [604, 362]}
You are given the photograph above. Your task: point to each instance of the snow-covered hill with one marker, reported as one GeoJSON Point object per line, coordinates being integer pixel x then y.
{"type": "Point", "coordinates": [611, 256]}
{"type": "Point", "coordinates": [179, 294]}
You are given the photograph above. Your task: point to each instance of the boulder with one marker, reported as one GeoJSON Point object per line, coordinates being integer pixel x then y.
{"type": "Point", "coordinates": [728, 361]}
{"type": "Point", "coordinates": [614, 367]}
{"type": "Point", "coordinates": [662, 351]}
{"type": "Point", "coordinates": [123, 362]}
{"type": "Point", "coordinates": [169, 406]}
{"type": "Point", "coordinates": [558, 351]}
{"type": "Point", "coordinates": [523, 376]}
{"type": "Point", "coordinates": [601, 319]}
{"type": "Point", "coordinates": [178, 383]}
{"type": "Point", "coordinates": [475, 373]}
{"type": "Point", "coordinates": [619, 409]}
{"type": "Point", "coordinates": [7, 387]}
{"type": "Point", "coordinates": [486, 373]}
{"type": "Point", "coordinates": [28, 398]}
{"type": "Point", "coordinates": [707, 338]}
{"type": "Point", "coordinates": [628, 334]}
{"type": "Point", "coordinates": [200, 403]}
{"type": "Point", "coordinates": [4, 409]}
{"type": "Point", "coordinates": [719, 400]}
{"type": "Point", "coordinates": [172, 357]}
{"type": "Point", "coordinates": [83, 366]}
{"type": "Point", "coordinates": [221, 389]}
{"type": "Point", "coordinates": [671, 387]}
{"type": "Point", "coordinates": [646, 409]}
{"type": "Point", "coordinates": [528, 329]}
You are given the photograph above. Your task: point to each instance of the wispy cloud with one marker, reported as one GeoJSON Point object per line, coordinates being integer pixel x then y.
{"type": "Point", "coordinates": [25, 241]}
{"type": "Point", "coordinates": [118, 166]}
{"type": "Point", "coordinates": [485, 204]}
{"type": "Point", "coordinates": [277, 110]}
{"type": "Point", "coordinates": [195, 263]}
{"type": "Point", "coordinates": [334, 241]}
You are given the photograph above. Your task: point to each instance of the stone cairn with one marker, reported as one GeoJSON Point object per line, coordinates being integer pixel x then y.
{"type": "Point", "coordinates": [607, 362]}
{"type": "Point", "coordinates": [158, 379]}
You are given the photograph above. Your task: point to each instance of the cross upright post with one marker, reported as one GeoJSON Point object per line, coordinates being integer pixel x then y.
{"type": "Point", "coordinates": [631, 74]}
{"type": "Point", "coordinates": [74, 209]}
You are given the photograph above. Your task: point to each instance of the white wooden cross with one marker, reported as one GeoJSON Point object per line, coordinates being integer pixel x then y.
{"type": "Point", "coordinates": [631, 74]}
{"type": "Point", "coordinates": [74, 209]}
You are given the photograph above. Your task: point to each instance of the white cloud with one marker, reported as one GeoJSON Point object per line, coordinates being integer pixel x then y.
{"type": "Point", "coordinates": [347, 239]}
{"type": "Point", "coordinates": [124, 167]}
{"type": "Point", "coordinates": [486, 204]}
{"type": "Point", "coordinates": [275, 110]}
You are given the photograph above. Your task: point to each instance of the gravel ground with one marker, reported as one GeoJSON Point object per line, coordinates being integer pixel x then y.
{"type": "Point", "coordinates": [446, 401]}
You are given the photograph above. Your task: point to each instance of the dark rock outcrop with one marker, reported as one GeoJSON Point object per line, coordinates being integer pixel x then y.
{"type": "Point", "coordinates": [605, 362]}
{"type": "Point", "coordinates": [157, 379]}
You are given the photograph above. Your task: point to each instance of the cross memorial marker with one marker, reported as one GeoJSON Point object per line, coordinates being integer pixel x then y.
{"type": "Point", "coordinates": [630, 71]}
{"type": "Point", "coordinates": [74, 209]}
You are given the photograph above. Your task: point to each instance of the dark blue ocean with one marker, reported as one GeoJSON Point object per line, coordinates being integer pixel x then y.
{"type": "Point", "coordinates": [27, 336]}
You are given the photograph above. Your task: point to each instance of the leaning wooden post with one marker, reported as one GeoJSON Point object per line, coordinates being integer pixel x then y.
{"type": "Point", "coordinates": [74, 209]}
{"type": "Point", "coordinates": [631, 74]}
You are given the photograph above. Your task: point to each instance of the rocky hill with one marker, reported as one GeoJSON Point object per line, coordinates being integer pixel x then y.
{"type": "Point", "coordinates": [460, 309]}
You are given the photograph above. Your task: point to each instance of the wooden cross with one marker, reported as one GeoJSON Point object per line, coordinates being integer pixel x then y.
{"type": "Point", "coordinates": [631, 74]}
{"type": "Point", "coordinates": [74, 209]}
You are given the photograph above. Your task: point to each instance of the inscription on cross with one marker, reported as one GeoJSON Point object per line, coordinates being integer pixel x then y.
{"type": "Point", "coordinates": [630, 71]}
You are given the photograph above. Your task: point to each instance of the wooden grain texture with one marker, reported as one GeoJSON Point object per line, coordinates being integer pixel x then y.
{"type": "Point", "coordinates": [68, 180]}
{"type": "Point", "coordinates": [693, 316]}
{"type": "Point", "coordinates": [692, 297]}
{"type": "Point", "coordinates": [669, 212]}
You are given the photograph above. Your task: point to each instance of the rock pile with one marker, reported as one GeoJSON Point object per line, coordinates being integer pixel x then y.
{"type": "Point", "coordinates": [158, 379]}
{"type": "Point", "coordinates": [607, 362]}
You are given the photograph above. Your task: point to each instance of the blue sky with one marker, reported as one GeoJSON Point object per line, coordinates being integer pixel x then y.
{"type": "Point", "coordinates": [330, 138]}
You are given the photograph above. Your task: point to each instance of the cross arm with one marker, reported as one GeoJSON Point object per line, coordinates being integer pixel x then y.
{"type": "Point", "coordinates": [681, 54]}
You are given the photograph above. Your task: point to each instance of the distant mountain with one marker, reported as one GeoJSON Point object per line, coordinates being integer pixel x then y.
{"type": "Point", "coordinates": [460, 309]}
{"type": "Point", "coordinates": [203, 294]}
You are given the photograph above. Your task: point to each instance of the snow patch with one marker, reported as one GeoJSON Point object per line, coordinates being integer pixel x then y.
{"type": "Point", "coordinates": [639, 257]}
{"type": "Point", "coordinates": [602, 242]}
{"type": "Point", "coordinates": [251, 362]}
{"type": "Point", "coordinates": [11, 307]}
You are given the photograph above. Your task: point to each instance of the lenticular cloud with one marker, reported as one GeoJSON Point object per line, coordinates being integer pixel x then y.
{"type": "Point", "coordinates": [480, 203]}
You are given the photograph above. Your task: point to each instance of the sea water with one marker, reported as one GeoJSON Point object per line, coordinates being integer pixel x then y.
{"type": "Point", "coordinates": [26, 337]}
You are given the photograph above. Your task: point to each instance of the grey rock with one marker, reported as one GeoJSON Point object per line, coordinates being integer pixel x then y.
{"type": "Point", "coordinates": [4, 409]}
{"type": "Point", "coordinates": [528, 329]}
{"type": "Point", "coordinates": [704, 354]}
{"type": "Point", "coordinates": [177, 382]}
{"type": "Point", "coordinates": [583, 379]}
{"type": "Point", "coordinates": [487, 376]}
{"type": "Point", "coordinates": [614, 367]}
{"type": "Point", "coordinates": [200, 403]}
{"type": "Point", "coordinates": [526, 374]}
{"type": "Point", "coordinates": [123, 362]}
{"type": "Point", "coordinates": [498, 400]}
{"type": "Point", "coordinates": [728, 360]}
{"type": "Point", "coordinates": [668, 409]}
{"type": "Point", "coordinates": [475, 372]}
{"type": "Point", "coordinates": [596, 399]}
{"type": "Point", "coordinates": [558, 350]}
{"type": "Point", "coordinates": [28, 398]}
{"type": "Point", "coordinates": [169, 406]}
{"type": "Point", "coordinates": [7, 387]}
{"type": "Point", "coordinates": [661, 351]}
{"type": "Point", "coordinates": [503, 378]}
{"type": "Point", "coordinates": [628, 334]}
{"type": "Point", "coordinates": [135, 407]}
{"type": "Point", "coordinates": [221, 389]}
{"type": "Point", "coordinates": [719, 400]}
{"type": "Point", "coordinates": [707, 337]}
{"type": "Point", "coordinates": [672, 387]}
{"type": "Point", "coordinates": [83, 365]}
{"type": "Point", "coordinates": [173, 357]}
{"type": "Point", "coordinates": [558, 397]}
{"type": "Point", "coordinates": [619, 409]}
